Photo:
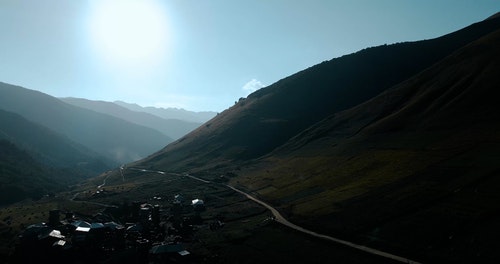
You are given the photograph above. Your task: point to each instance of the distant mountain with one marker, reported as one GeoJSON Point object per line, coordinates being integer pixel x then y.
{"type": "Point", "coordinates": [114, 138]}
{"type": "Point", "coordinates": [171, 113]}
{"type": "Point", "coordinates": [50, 148]}
{"type": "Point", "coordinates": [173, 128]}
{"type": "Point", "coordinates": [394, 147]}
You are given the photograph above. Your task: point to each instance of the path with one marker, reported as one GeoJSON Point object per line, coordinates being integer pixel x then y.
{"type": "Point", "coordinates": [282, 220]}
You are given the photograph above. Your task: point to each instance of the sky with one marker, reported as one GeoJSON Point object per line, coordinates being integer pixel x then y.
{"type": "Point", "coordinates": [201, 55]}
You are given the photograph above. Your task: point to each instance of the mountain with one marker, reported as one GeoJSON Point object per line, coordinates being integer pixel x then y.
{"type": "Point", "coordinates": [171, 113]}
{"type": "Point", "coordinates": [394, 147]}
{"type": "Point", "coordinates": [173, 128]}
{"type": "Point", "coordinates": [419, 161]}
{"type": "Point", "coordinates": [111, 137]}
{"type": "Point", "coordinates": [50, 148]}
{"type": "Point", "coordinates": [21, 176]}
{"type": "Point", "coordinates": [269, 117]}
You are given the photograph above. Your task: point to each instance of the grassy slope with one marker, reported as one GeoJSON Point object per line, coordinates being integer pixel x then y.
{"type": "Point", "coordinates": [22, 177]}
{"type": "Point", "coordinates": [413, 169]}
{"type": "Point", "coordinates": [271, 116]}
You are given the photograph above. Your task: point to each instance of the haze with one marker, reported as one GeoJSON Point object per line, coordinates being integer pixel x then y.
{"type": "Point", "coordinates": [200, 55]}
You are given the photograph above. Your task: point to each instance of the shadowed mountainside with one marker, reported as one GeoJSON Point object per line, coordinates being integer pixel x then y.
{"type": "Point", "coordinates": [271, 116]}
{"type": "Point", "coordinates": [111, 137]}
{"type": "Point", "coordinates": [50, 148]}
{"type": "Point", "coordinates": [415, 168]}
{"type": "Point", "coordinates": [172, 128]}
{"type": "Point", "coordinates": [21, 176]}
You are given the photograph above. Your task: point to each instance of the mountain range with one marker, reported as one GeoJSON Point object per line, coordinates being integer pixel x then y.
{"type": "Point", "coordinates": [173, 128]}
{"type": "Point", "coordinates": [59, 142]}
{"type": "Point", "coordinates": [171, 113]}
{"type": "Point", "coordinates": [394, 146]}
{"type": "Point", "coordinates": [49, 147]}
{"type": "Point", "coordinates": [111, 137]}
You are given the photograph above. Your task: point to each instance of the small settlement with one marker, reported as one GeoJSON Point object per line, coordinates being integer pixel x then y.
{"type": "Point", "coordinates": [133, 233]}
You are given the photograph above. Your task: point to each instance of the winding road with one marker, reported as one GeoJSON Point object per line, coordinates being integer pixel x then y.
{"type": "Point", "coordinates": [282, 220]}
{"type": "Point", "coordinates": [95, 203]}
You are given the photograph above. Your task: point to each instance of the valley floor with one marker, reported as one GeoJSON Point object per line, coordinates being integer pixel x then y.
{"type": "Point", "coordinates": [248, 233]}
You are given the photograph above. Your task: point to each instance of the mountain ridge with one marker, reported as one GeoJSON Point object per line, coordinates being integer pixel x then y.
{"type": "Point", "coordinates": [270, 116]}
{"type": "Point", "coordinates": [173, 128]}
{"type": "Point", "coordinates": [171, 113]}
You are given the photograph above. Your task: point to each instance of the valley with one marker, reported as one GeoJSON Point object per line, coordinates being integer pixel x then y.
{"type": "Point", "coordinates": [386, 155]}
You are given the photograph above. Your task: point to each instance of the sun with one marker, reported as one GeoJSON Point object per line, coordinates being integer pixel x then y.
{"type": "Point", "coordinates": [128, 31]}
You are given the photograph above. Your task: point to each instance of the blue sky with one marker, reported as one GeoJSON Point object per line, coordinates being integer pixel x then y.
{"type": "Point", "coordinates": [201, 55]}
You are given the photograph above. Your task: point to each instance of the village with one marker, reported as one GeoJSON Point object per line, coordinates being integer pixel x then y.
{"type": "Point", "coordinates": [137, 232]}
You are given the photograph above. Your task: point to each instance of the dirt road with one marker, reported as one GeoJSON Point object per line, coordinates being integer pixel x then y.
{"type": "Point", "coordinates": [282, 220]}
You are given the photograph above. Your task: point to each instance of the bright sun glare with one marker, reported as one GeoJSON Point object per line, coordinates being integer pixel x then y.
{"type": "Point", "coordinates": [128, 31]}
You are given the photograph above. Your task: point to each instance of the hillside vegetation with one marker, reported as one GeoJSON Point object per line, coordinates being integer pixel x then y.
{"type": "Point", "coordinates": [22, 177]}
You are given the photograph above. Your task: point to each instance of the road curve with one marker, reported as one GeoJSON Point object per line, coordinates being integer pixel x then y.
{"type": "Point", "coordinates": [282, 220]}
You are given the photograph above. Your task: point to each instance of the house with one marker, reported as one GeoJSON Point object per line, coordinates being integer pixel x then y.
{"type": "Point", "coordinates": [198, 204]}
{"type": "Point", "coordinates": [163, 253]}
{"type": "Point", "coordinates": [179, 198]}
